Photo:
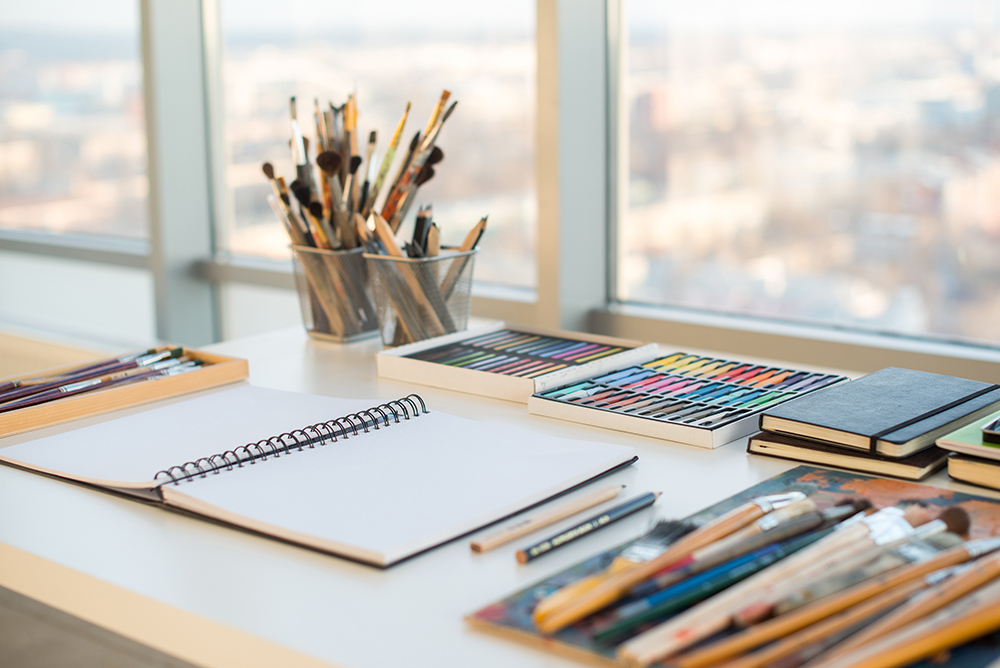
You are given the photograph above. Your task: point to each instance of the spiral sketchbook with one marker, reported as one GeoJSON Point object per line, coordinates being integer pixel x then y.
{"type": "Point", "coordinates": [372, 482]}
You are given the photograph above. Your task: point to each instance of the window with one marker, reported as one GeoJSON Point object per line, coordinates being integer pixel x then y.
{"type": "Point", "coordinates": [835, 164]}
{"type": "Point", "coordinates": [72, 132]}
{"type": "Point", "coordinates": [388, 53]}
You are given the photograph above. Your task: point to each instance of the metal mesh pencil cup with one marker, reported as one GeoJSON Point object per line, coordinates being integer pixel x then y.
{"type": "Point", "coordinates": [419, 298]}
{"type": "Point", "coordinates": [334, 293]}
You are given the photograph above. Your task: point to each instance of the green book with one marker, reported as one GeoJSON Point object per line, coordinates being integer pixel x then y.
{"type": "Point", "coordinates": [968, 440]}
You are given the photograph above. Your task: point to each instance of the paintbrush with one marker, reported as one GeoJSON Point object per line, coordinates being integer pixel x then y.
{"type": "Point", "coordinates": [299, 151]}
{"type": "Point", "coordinates": [972, 616]}
{"type": "Point", "coordinates": [647, 649]}
{"type": "Point", "coordinates": [882, 528]}
{"type": "Point", "coordinates": [781, 531]}
{"type": "Point", "coordinates": [24, 392]}
{"type": "Point", "coordinates": [94, 366]}
{"type": "Point", "coordinates": [716, 614]}
{"type": "Point", "coordinates": [420, 156]}
{"type": "Point", "coordinates": [296, 220]}
{"type": "Point", "coordinates": [619, 585]}
{"type": "Point", "coordinates": [826, 632]}
{"type": "Point", "coordinates": [927, 540]}
{"type": "Point", "coordinates": [946, 587]}
{"type": "Point", "coordinates": [386, 162]}
{"type": "Point", "coordinates": [623, 621]}
{"type": "Point", "coordinates": [349, 201]}
{"type": "Point", "coordinates": [370, 172]}
{"type": "Point", "coordinates": [649, 545]}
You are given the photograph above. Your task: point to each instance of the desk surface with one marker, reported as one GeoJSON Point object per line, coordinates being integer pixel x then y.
{"type": "Point", "coordinates": [219, 597]}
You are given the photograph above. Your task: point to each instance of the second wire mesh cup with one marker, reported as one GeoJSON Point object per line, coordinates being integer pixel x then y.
{"type": "Point", "coordinates": [335, 293]}
{"type": "Point", "coordinates": [419, 298]}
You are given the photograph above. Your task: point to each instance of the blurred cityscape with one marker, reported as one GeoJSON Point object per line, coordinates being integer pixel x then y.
{"type": "Point", "coordinates": [72, 134]}
{"type": "Point", "coordinates": [846, 179]}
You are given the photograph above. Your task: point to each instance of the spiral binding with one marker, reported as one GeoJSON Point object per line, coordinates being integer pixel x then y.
{"type": "Point", "coordinates": [296, 440]}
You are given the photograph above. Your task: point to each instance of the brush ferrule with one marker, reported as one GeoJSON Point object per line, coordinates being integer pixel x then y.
{"type": "Point", "coordinates": [775, 501]}
{"type": "Point", "coordinates": [977, 548]}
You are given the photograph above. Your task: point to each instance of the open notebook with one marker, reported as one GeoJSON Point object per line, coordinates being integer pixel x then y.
{"type": "Point", "coordinates": [323, 476]}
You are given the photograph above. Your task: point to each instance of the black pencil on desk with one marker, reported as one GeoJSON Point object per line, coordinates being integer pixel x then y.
{"type": "Point", "coordinates": [587, 527]}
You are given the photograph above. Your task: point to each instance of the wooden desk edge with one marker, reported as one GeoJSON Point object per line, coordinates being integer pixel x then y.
{"type": "Point", "coordinates": [167, 629]}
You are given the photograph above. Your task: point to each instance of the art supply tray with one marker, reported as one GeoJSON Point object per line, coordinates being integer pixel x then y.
{"type": "Point", "coordinates": [217, 370]}
{"type": "Point", "coordinates": [509, 362]}
{"type": "Point", "coordinates": [693, 399]}
{"type": "Point", "coordinates": [511, 616]}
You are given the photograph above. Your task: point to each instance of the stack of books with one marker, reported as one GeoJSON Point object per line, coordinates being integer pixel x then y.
{"type": "Point", "coordinates": [975, 452]}
{"type": "Point", "coordinates": [884, 423]}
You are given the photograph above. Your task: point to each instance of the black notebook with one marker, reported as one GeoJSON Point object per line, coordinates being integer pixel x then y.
{"type": "Point", "coordinates": [375, 483]}
{"type": "Point", "coordinates": [893, 412]}
{"type": "Point", "coordinates": [915, 467]}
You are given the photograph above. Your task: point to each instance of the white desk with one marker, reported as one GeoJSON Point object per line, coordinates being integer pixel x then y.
{"type": "Point", "coordinates": [214, 596]}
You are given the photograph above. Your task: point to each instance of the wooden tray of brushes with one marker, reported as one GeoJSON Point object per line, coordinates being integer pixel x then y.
{"type": "Point", "coordinates": [214, 370]}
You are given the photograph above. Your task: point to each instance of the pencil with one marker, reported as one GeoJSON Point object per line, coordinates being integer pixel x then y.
{"type": "Point", "coordinates": [544, 519]}
{"type": "Point", "coordinates": [587, 527]}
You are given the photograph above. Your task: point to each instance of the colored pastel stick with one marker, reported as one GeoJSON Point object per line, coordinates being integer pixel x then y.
{"type": "Point", "coordinates": [567, 390]}
{"type": "Point", "coordinates": [607, 378]}
{"type": "Point", "coordinates": [493, 360]}
{"type": "Point", "coordinates": [664, 360]}
{"type": "Point", "coordinates": [475, 355]}
{"type": "Point", "coordinates": [563, 346]}
{"type": "Point", "coordinates": [717, 371]}
{"type": "Point", "coordinates": [516, 346]}
{"type": "Point", "coordinates": [533, 365]}
{"type": "Point", "coordinates": [544, 371]}
{"type": "Point", "coordinates": [693, 366]}
{"type": "Point", "coordinates": [589, 349]}
{"type": "Point", "coordinates": [490, 337]}
{"type": "Point", "coordinates": [598, 355]}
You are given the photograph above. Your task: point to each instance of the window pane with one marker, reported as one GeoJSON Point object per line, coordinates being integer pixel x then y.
{"type": "Point", "coordinates": [72, 131]}
{"type": "Point", "coordinates": [388, 53]}
{"type": "Point", "coordinates": [836, 163]}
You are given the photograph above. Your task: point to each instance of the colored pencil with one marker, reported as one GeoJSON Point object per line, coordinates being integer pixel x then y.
{"type": "Point", "coordinates": [586, 527]}
{"type": "Point", "coordinates": [544, 519]}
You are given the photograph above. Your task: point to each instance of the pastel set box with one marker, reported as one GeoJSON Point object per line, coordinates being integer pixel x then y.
{"type": "Point", "coordinates": [695, 399]}
{"type": "Point", "coordinates": [510, 362]}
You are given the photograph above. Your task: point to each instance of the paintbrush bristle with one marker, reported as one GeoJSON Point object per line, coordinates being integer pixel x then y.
{"type": "Point", "coordinates": [268, 170]}
{"type": "Point", "coordinates": [667, 531]}
{"type": "Point", "coordinates": [371, 136]}
{"type": "Point", "coordinates": [436, 156]}
{"type": "Point", "coordinates": [355, 163]}
{"type": "Point", "coordinates": [316, 209]}
{"type": "Point", "coordinates": [957, 520]}
{"type": "Point", "coordinates": [329, 162]}
{"type": "Point", "coordinates": [425, 175]}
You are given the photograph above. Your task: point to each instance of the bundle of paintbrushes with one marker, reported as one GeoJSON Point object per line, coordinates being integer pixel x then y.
{"type": "Point", "coordinates": [789, 579]}
{"type": "Point", "coordinates": [146, 365]}
{"type": "Point", "coordinates": [423, 292]}
{"type": "Point", "coordinates": [330, 198]}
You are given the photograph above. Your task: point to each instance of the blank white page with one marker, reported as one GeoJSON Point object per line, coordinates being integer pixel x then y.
{"type": "Point", "coordinates": [390, 493]}
{"type": "Point", "coordinates": [132, 449]}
